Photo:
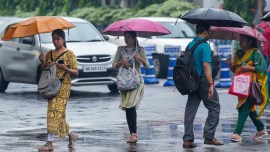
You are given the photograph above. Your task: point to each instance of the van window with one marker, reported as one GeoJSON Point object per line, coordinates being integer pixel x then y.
{"type": "Point", "coordinates": [83, 32]}
{"type": "Point", "coordinates": [180, 30]}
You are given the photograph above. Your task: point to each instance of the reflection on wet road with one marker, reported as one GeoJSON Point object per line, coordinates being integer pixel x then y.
{"type": "Point", "coordinates": [94, 115]}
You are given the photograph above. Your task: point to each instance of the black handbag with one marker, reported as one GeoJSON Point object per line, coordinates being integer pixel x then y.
{"type": "Point", "coordinates": [255, 92]}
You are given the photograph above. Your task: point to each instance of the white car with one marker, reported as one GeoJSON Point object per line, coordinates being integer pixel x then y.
{"type": "Point", "coordinates": [19, 57]}
{"type": "Point", "coordinates": [181, 34]}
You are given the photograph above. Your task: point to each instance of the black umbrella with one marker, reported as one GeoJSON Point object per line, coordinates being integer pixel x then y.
{"type": "Point", "coordinates": [214, 17]}
{"type": "Point", "coordinates": [266, 17]}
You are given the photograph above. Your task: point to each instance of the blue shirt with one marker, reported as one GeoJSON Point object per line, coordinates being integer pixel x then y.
{"type": "Point", "coordinates": [201, 55]}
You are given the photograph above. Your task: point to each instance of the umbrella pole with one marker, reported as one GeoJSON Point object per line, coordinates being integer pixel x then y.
{"type": "Point", "coordinates": [40, 44]}
{"type": "Point", "coordinates": [68, 36]}
{"type": "Point", "coordinates": [177, 19]}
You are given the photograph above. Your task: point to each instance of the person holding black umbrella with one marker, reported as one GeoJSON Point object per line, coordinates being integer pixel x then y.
{"type": "Point", "coordinates": [206, 92]}
{"type": "Point", "coordinates": [204, 18]}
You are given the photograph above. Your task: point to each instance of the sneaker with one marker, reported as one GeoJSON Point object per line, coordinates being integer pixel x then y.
{"type": "Point", "coordinates": [236, 138]}
{"type": "Point", "coordinates": [260, 134]}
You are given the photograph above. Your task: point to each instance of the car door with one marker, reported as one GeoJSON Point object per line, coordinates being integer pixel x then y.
{"type": "Point", "coordinates": [19, 63]}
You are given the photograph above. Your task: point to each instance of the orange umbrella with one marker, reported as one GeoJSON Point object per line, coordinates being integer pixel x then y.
{"type": "Point", "coordinates": [36, 25]}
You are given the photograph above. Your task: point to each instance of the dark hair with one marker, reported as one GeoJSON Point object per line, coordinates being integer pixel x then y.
{"type": "Point", "coordinates": [201, 27]}
{"type": "Point", "coordinates": [133, 34]}
{"type": "Point", "coordinates": [252, 40]}
{"type": "Point", "coordinates": [60, 33]}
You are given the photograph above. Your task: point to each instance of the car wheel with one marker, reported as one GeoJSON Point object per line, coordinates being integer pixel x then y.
{"type": "Point", "coordinates": [113, 88]}
{"type": "Point", "coordinates": [3, 83]}
{"type": "Point", "coordinates": [161, 62]}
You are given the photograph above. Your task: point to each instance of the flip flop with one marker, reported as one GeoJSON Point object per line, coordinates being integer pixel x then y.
{"type": "Point", "coordinates": [131, 141]}
{"type": "Point", "coordinates": [45, 148]}
{"type": "Point", "coordinates": [72, 138]}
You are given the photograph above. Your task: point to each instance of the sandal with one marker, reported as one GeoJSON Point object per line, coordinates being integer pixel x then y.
{"type": "Point", "coordinates": [236, 138]}
{"type": "Point", "coordinates": [260, 134]}
{"type": "Point", "coordinates": [132, 139]}
{"type": "Point", "coordinates": [46, 147]}
{"type": "Point", "coordinates": [72, 138]}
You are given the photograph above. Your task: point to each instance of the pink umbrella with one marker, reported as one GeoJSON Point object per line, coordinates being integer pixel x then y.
{"type": "Point", "coordinates": [141, 26]}
{"type": "Point", "coordinates": [233, 33]}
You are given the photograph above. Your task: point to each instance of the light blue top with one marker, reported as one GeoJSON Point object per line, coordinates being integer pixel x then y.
{"type": "Point", "coordinates": [201, 55]}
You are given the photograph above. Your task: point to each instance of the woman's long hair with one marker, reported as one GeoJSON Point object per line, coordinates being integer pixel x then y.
{"type": "Point", "coordinates": [60, 33]}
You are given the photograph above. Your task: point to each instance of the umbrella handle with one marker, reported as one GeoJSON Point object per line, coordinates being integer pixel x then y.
{"type": "Point", "coordinates": [40, 44]}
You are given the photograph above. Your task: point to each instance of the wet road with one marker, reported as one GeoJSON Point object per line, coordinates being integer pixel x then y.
{"type": "Point", "coordinates": [94, 115]}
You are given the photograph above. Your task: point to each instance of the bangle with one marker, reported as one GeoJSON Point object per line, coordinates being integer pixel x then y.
{"type": "Point", "coordinates": [212, 84]}
{"type": "Point", "coordinates": [229, 63]}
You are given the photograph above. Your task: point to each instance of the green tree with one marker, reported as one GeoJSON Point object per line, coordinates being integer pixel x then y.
{"type": "Point", "coordinates": [144, 3]}
{"type": "Point", "coordinates": [92, 11]}
{"type": "Point", "coordinates": [244, 8]}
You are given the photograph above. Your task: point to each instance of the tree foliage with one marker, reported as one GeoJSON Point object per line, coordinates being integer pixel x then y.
{"type": "Point", "coordinates": [92, 11]}
{"type": "Point", "coordinates": [106, 15]}
{"type": "Point", "coordinates": [244, 8]}
{"type": "Point", "coordinates": [43, 7]}
{"type": "Point", "coordinates": [144, 3]}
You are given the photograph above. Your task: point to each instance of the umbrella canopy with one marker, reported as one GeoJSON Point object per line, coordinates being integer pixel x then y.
{"type": "Point", "coordinates": [264, 28]}
{"type": "Point", "coordinates": [36, 25]}
{"type": "Point", "coordinates": [141, 26]}
{"type": "Point", "coordinates": [266, 17]}
{"type": "Point", "coordinates": [233, 33]}
{"type": "Point", "coordinates": [214, 17]}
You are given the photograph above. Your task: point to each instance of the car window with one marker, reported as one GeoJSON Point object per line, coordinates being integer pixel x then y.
{"type": "Point", "coordinates": [20, 40]}
{"type": "Point", "coordinates": [180, 30]}
{"type": "Point", "coordinates": [83, 32]}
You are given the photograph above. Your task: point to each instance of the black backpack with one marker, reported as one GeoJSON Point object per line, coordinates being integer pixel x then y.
{"type": "Point", "coordinates": [185, 76]}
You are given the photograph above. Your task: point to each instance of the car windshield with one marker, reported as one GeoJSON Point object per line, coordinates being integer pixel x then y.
{"type": "Point", "coordinates": [83, 32]}
{"type": "Point", "coordinates": [180, 30]}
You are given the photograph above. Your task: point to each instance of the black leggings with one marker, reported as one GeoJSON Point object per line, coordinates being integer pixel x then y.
{"type": "Point", "coordinates": [131, 115]}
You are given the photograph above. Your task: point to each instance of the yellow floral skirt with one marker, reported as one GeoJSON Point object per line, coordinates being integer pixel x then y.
{"type": "Point", "coordinates": [56, 114]}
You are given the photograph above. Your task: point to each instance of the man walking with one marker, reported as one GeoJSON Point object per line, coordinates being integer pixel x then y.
{"type": "Point", "coordinates": [206, 92]}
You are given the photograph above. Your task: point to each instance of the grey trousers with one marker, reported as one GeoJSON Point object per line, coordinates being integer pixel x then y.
{"type": "Point", "coordinates": [193, 102]}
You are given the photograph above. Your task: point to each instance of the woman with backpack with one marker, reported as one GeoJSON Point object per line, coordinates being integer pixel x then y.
{"type": "Point", "coordinates": [66, 63]}
{"type": "Point", "coordinates": [250, 60]}
{"type": "Point", "coordinates": [130, 99]}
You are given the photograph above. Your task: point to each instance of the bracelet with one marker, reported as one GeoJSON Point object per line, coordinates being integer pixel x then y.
{"type": "Point", "coordinates": [212, 84]}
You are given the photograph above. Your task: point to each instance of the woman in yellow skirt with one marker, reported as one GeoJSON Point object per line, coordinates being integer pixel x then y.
{"type": "Point", "coordinates": [56, 114]}
{"type": "Point", "coordinates": [130, 100]}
